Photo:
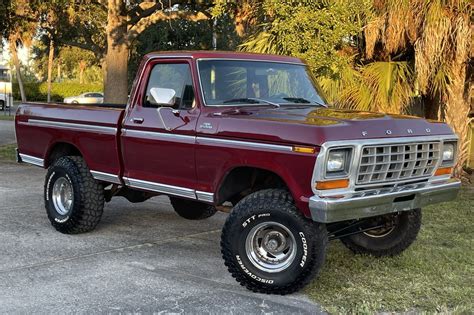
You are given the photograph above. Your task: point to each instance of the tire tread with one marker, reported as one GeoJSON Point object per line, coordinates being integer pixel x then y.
{"type": "Point", "coordinates": [281, 200]}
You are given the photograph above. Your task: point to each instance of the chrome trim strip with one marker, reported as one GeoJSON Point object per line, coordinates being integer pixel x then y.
{"type": "Point", "coordinates": [356, 145]}
{"type": "Point", "coordinates": [205, 196]}
{"type": "Point", "coordinates": [106, 177]}
{"type": "Point", "coordinates": [161, 188]}
{"type": "Point", "coordinates": [251, 60]}
{"type": "Point", "coordinates": [381, 201]}
{"type": "Point", "coordinates": [32, 160]}
{"type": "Point", "coordinates": [158, 136]}
{"type": "Point", "coordinates": [203, 140]}
{"type": "Point", "coordinates": [72, 126]}
{"type": "Point", "coordinates": [244, 144]}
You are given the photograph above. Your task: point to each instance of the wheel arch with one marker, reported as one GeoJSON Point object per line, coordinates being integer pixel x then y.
{"type": "Point", "coordinates": [60, 149]}
{"type": "Point", "coordinates": [242, 180]}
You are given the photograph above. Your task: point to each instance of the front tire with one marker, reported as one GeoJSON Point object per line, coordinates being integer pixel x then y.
{"type": "Point", "coordinates": [192, 210]}
{"type": "Point", "coordinates": [401, 231]}
{"type": "Point", "coordinates": [74, 200]}
{"type": "Point", "coordinates": [269, 247]}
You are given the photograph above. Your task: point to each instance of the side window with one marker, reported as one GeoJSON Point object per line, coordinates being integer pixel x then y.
{"type": "Point", "coordinates": [175, 76]}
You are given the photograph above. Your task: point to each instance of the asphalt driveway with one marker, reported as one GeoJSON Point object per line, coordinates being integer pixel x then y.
{"type": "Point", "coordinates": [7, 131]}
{"type": "Point", "coordinates": [141, 258]}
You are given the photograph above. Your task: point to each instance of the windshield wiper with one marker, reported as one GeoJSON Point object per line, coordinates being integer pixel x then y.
{"type": "Point", "coordinates": [301, 100]}
{"type": "Point", "coordinates": [250, 100]}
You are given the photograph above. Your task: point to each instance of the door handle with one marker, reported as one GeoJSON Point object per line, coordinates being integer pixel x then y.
{"type": "Point", "coordinates": [137, 120]}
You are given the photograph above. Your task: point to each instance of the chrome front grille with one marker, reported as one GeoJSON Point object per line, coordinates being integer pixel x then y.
{"type": "Point", "coordinates": [397, 162]}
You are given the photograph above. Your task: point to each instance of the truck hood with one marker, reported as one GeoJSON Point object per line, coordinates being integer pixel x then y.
{"type": "Point", "coordinates": [314, 126]}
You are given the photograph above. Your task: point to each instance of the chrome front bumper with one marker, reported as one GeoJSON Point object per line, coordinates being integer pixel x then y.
{"type": "Point", "coordinates": [375, 202]}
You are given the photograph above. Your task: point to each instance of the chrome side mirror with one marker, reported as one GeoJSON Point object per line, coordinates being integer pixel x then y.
{"type": "Point", "coordinates": [162, 96]}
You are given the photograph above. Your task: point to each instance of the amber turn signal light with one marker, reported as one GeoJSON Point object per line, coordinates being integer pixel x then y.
{"type": "Point", "coordinates": [308, 150]}
{"type": "Point", "coordinates": [443, 171]}
{"type": "Point", "coordinates": [332, 184]}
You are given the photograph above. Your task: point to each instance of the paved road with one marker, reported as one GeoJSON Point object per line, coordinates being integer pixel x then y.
{"type": "Point", "coordinates": [7, 131]}
{"type": "Point", "coordinates": [141, 258]}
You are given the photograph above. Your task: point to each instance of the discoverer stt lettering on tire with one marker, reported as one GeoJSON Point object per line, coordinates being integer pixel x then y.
{"type": "Point", "coordinates": [269, 247]}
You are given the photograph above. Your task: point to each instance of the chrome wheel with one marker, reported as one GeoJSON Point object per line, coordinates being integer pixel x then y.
{"type": "Point", "coordinates": [380, 232]}
{"type": "Point", "coordinates": [270, 247]}
{"type": "Point", "coordinates": [62, 196]}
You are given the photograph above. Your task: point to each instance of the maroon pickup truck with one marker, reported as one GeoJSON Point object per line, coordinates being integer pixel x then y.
{"type": "Point", "coordinates": [250, 135]}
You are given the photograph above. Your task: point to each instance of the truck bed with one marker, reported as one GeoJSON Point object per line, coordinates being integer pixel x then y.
{"type": "Point", "coordinates": [92, 127]}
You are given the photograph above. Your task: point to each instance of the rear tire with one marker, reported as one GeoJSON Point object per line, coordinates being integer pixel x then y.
{"type": "Point", "coordinates": [74, 200]}
{"type": "Point", "coordinates": [192, 210]}
{"type": "Point", "coordinates": [269, 246]}
{"type": "Point", "coordinates": [387, 241]}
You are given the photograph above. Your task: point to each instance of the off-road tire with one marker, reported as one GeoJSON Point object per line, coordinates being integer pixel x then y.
{"type": "Point", "coordinates": [399, 239]}
{"type": "Point", "coordinates": [192, 210]}
{"type": "Point", "coordinates": [88, 196]}
{"type": "Point", "coordinates": [272, 206]}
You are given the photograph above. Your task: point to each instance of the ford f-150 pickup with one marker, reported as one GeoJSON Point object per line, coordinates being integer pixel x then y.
{"type": "Point", "coordinates": [251, 135]}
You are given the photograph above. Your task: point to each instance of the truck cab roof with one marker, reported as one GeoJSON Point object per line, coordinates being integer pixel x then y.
{"type": "Point", "coordinates": [204, 54]}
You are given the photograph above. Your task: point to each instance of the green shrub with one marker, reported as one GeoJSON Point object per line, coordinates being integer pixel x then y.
{"type": "Point", "coordinates": [39, 91]}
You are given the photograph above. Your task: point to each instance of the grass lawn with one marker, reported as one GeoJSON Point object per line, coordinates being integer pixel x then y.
{"type": "Point", "coordinates": [436, 274]}
{"type": "Point", "coordinates": [6, 117]}
{"type": "Point", "coordinates": [7, 153]}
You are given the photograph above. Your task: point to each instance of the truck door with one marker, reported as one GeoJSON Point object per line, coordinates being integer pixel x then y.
{"type": "Point", "coordinates": [158, 135]}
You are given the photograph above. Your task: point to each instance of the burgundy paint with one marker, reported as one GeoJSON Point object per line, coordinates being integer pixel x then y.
{"type": "Point", "coordinates": [204, 167]}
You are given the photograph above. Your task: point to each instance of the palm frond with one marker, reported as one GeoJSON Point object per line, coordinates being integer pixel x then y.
{"type": "Point", "coordinates": [265, 43]}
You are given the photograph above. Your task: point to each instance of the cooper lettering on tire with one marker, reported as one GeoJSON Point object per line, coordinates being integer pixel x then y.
{"type": "Point", "coordinates": [74, 200]}
{"type": "Point", "coordinates": [269, 247]}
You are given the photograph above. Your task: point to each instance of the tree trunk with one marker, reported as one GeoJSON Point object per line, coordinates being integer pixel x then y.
{"type": "Point", "coordinates": [16, 62]}
{"type": "Point", "coordinates": [82, 68]}
{"type": "Point", "coordinates": [50, 67]}
{"type": "Point", "coordinates": [432, 107]}
{"type": "Point", "coordinates": [457, 116]}
{"type": "Point", "coordinates": [59, 71]}
{"type": "Point", "coordinates": [116, 83]}
{"type": "Point", "coordinates": [103, 63]}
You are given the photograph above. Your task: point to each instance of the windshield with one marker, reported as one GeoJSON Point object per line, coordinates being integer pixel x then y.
{"type": "Point", "coordinates": [235, 82]}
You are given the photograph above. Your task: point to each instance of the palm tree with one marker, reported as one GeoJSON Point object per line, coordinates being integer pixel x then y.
{"type": "Point", "coordinates": [405, 49]}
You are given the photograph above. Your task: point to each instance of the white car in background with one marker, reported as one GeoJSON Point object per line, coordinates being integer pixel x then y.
{"type": "Point", "coordinates": [86, 98]}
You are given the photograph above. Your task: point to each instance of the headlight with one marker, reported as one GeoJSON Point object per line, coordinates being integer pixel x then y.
{"type": "Point", "coordinates": [338, 162]}
{"type": "Point", "coordinates": [448, 152]}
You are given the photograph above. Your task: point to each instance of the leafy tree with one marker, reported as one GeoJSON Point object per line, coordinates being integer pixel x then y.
{"type": "Point", "coordinates": [128, 19]}
{"type": "Point", "coordinates": [20, 30]}
{"type": "Point", "coordinates": [110, 27]}
{"type": "Point", "coordinates": [73, 64]}
{"type": "Point", "coordinates": [182, 34]}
